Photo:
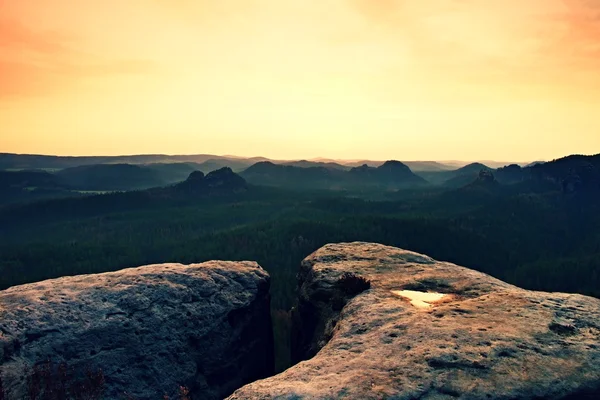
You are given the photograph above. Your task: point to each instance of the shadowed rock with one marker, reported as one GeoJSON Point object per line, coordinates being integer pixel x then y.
{"type": "Point", "coordinates": [150, 329]}
{"type": "Point", "coordinates": [221, 181]}
{"type": "Point", "coordinates": [486, 177]}
{"type": "Point", "coordinates": [432, 330]}
{"type": "Point", "coordinates": [391, 173]}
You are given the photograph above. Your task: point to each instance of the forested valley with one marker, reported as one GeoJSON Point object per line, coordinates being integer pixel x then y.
{"type": "Point", "coordinates": [541, 235]}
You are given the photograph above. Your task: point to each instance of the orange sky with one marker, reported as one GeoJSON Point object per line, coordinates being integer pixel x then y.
{"type": "Point", "coordinates": [380, 79]}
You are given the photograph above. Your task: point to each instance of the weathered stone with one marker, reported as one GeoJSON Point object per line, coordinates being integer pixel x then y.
{"type": "Point", "coordinates": [483, 339]}
{"type": "Point", "coordinates": [150, 329]}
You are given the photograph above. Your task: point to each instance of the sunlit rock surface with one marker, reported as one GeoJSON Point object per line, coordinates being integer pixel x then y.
{"type": "Point", "coordinates": [424, 300]}
{"type": "Point", "coordinates": [484, 339]}
{"type": "Point", "coordinates": [150, 329]}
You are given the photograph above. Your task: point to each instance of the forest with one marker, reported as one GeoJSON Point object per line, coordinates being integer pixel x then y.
{"type": "Point", "coordinates": [538, 234]}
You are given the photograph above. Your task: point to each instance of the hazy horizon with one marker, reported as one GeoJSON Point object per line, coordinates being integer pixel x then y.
{"type": "Point", "coordinates": [311, 159]}
{"type": "Point", "coordinates": [341, 79]}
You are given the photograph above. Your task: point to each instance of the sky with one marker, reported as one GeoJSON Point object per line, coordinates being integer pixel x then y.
{"type": "Point", "coordinates": [289, 79]}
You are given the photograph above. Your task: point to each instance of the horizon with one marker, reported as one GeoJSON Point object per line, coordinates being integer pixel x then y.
{"type": "Point", "coordinates": [383, 80]}
{"type": "Point", "coordinates": [312, 159]}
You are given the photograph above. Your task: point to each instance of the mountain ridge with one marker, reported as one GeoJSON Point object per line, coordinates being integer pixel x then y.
{"type": "Point", "coordinates": [41, 161]}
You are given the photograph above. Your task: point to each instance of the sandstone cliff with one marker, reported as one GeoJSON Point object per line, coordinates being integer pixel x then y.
{"type": "Point", "coordinates": [150, 329]}
{"type": "Point", "coordinates": [432, 330]}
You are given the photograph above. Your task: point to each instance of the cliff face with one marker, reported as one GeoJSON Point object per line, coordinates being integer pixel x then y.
{"type": "Point", "coordinates": [150, 329]}
{"type": "Point", "coordinates": [432, 330]}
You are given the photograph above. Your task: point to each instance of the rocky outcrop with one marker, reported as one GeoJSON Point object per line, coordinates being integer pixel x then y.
{"type": "Point", "coordinates": [220, 182]}
{"type": "Point", "coordinates": [512, 173]}
{"type": "Point", "coordinates": [431, 330]}
{"type": "Point", "coordinates": [485, 183]}
{"type": "Point", "coordinates": [391, 174]}
{"type": "Point", "coordinates": [486, 178]}
{"type": "Point", "coordinates": [149, 329]}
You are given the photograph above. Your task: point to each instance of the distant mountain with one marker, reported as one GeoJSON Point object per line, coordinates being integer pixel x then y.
{"type": "Point", "coordinates": [222, 181]}
{"type": "Point", "coordinates": [571, 174]}
{"type": "Point", "coordinates": [390, 175]}
{"type": "Point", "coordinates": [360, 163]}
{"type": "Point", "coordinates": [129, 172]}
{"type": "Point", "coordinates": [485, 180]}
{"type": "Point", "coordinates": [534, 163]}
{"type": "Point", "coordinates": [455, 178]}
{"type": "Point", "coordinates": [574, 174]}
{"type": "Point", "coordinates": [110, 177]}
{"type": "Point", "coordinates": [236, 165]}
{"type": "Point", "coordinates": [459, 181]}
{"type": "Point", "coordinates": [174, 172]}
{"type": "Point", "coordinates": [511, 174]}
{"type": "Point", "coordinates": [269, 174]}
{"type": "Point", "coordinates": [364, 171]}
{"type": "Point", "coordinates": [455, 164]}
{"type": "Point", "coordinates": [309, 164]}
{"type": "Point", "coordinates": [26, 186]}
{"type": "Point", "coordinates": [427, 166]}
{"type": "Point", "coordinates": [28, 179]}
{"type": "Point", "coordinates": [32, 161]}
{"type": "Point", "coordinates": [214, 187]}
{"type": "Point", "coordinates": [473, 168]}
{"type": "Point", "coordinates": [415, 166]}
{"type": "Point", "coordinates": [251, 160]}
{"type": "Point", "coordinates": [123, 177]}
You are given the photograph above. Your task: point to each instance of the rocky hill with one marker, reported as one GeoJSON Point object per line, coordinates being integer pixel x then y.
{"type": "Point", "coordinates": [290, 176]}
{"type": "Point", "coordinates": [391, 175]}
{"type": "Point", "coordinates": [221, 181]}
{"type": "Point", "coordinates": [425, 329]}
{"type": "Point", "coordinates": [455, 178]}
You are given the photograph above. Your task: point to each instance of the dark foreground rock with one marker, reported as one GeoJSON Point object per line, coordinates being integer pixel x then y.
{"type": "Point", "coordinates": [471, 337]}
{"type": "Point", "coordinates": [150, 329]}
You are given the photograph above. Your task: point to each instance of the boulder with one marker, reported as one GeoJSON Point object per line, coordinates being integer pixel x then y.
{"type": "Point", "coordinates": [146, 331]}
{"type": "Point", "coordinates": [385, 323]}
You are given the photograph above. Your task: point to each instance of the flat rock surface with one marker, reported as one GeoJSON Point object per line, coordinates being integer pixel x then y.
{"type": "Point", "coordinates": [483, 339]}
{"type": "Point", "coordinates": [150, 329]}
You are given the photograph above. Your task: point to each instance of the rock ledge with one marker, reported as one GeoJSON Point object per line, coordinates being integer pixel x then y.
{"type": "Point", "coordinates": [484, 339]}
{"type": "Point", "coordinates": [150, 329]}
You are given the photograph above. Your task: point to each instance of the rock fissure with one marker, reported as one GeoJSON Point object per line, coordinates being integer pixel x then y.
{"type": "Point", "coordinates": [372, 322]}
{"type": "Point", "coordinates": [475, 337]}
